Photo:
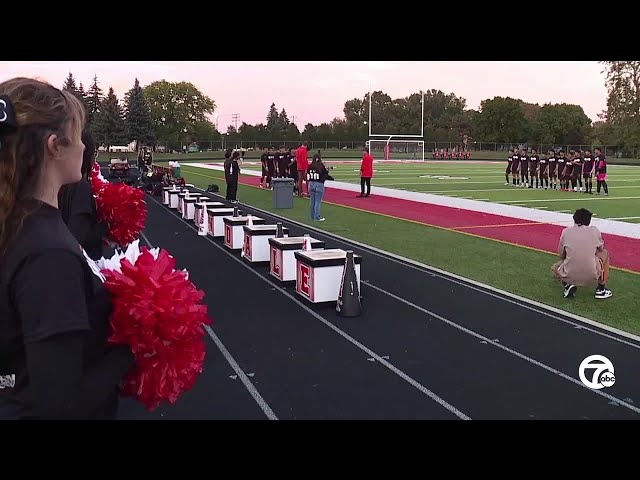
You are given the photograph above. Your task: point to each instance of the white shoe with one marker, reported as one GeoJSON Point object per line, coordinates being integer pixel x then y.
{"type": "Point", "coordinates": [603, 293]}
{"type": "Point", "coordinates": [569, 290]}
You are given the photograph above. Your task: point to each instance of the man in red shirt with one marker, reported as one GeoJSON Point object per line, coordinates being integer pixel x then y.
{"type": "Point", "coordinates": [302, 164]}
{"type": "Point", "coordinates": [366, 172]}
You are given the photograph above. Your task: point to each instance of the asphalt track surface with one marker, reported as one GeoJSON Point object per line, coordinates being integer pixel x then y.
{"type": "Point", "coordinates": [427, 346]}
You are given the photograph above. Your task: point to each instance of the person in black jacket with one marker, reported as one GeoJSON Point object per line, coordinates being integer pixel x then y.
{"type": "Point", "coordinates": [141, 161]}
{"type": "Point", "coordinates": [317, 175]}
{"type": "Point", "coordinates": [54, 307]}
{"type": "Point", "coordinates": [78, 205]}
{"type": "Point", "coordinates": [231, 175]}
{"type": "Point", "coordinates": [292, 168]}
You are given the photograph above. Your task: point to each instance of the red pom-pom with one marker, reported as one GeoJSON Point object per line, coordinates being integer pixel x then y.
{"type": "Point", "coordinates": [157, 311]}
{"type": "Point", "coordinates": [98, 182]}
{"type": "Point", "coordinates": [121, 206]}
{"type": "Point", "coordinates": [124, 209]}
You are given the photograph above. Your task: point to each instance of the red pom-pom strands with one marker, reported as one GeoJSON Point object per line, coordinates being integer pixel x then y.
{"type": "Point", "coordinates": [160, 314]}
{"type": "Point", "coordinates": [124, 209]}
{"type": "Point", "coordinates": [121, 206]}
{"type": "Point", "coordinates": [97, 180]}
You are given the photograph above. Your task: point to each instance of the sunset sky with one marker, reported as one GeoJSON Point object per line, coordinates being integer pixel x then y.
{"type": "Point", "coordinates": [248, 88]}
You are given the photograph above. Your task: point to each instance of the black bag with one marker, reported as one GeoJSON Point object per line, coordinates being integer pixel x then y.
{"type": "Point", "coordinates": [213, 188]}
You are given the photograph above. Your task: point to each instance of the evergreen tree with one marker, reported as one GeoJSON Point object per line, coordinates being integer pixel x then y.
{"type": "Point", "coordinates": [94, 100]}
{"type": "Point", "coordinates": [272, 117]}
{"type": "Point", "coordinates": [109, 128]}
{"type": "Point", "coordinates": [284, 119]}
{"type": "Point", "coordinates": [70, 84]}
{"type": "Point", "coordinates": [139, 127]}
{"type": "Point", "coordinates": [82, 96]}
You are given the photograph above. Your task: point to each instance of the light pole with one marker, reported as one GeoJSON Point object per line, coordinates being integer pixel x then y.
{"type": "Point", "coordinates": [217, 117]}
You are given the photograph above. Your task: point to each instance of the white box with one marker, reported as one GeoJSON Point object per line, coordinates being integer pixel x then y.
{"type": "Point", "coordinates": [200, 208]}
{"type": "Point", "coordinates": [256, 242]}
{"type": "Point", "coordinates": [282, 260]}
{"type": "Point", "coordinates": [319, 274]}
{"type": "Point", "coordinates": [215, 216]}
{"type": "Point", "coordinates": [233, 231]}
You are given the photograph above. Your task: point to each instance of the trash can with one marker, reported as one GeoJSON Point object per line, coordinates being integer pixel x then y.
{"type": "Point", "coordinates": [282, 192]}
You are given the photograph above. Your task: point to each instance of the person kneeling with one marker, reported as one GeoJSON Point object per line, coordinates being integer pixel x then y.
{"type": "Point", "coordinates": [584, 260]}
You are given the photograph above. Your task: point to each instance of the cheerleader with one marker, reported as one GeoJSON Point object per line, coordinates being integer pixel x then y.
{"type": "Point", "coordinates": [78, 205]}
{"type": "Point", "coordinates": [54, 308]}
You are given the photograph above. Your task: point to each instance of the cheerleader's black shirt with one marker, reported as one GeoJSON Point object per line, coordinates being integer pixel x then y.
{"type": "Point", "coordinates": [54, 325]}
{"type": "Point", "coordinates": [81, 218]}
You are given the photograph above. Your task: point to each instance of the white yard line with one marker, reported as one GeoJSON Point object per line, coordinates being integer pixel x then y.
{"type": "Point", "coordinates": [570, 199]}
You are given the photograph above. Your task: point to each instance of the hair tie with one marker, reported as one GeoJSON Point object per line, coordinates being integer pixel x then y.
{"type": "Point", "coordinates": [7, 117]}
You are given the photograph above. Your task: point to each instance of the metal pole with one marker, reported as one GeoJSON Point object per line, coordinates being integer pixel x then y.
{"type": "Point", "coordinates": [370, 102]}
{"type": "Point", "coordinates": [422, 116]}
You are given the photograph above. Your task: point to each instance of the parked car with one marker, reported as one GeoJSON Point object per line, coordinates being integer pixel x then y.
{"type": "Point", "coordinates": [119, 167]}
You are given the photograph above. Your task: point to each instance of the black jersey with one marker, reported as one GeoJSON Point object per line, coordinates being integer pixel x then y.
{"type": "Point", "coordinates": [55, 313]}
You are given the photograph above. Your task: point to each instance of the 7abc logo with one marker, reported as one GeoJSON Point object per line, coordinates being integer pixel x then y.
{"type": "Point", "coordinates": [603, 372]}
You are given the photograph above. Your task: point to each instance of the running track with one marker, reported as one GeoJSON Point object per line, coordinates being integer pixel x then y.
{"type": "Point", "coordinates": [427, 346]}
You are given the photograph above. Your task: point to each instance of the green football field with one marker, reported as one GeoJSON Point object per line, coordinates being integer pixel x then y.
{"type": "Point", "coordinates": [486, 182]}
{"type": "Point", "coordinates": [518, 270]}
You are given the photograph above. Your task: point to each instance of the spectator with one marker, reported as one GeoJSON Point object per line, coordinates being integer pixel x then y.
{"type": "Point", "coordinates": [583, 259]}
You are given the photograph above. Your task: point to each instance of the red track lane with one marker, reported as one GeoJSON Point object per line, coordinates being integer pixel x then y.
{"type": "Point", "coordinates": [541, 236]}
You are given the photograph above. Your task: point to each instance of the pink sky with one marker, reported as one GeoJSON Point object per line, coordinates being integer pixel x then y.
{"type": "Point", "coordinates": [248, 88]}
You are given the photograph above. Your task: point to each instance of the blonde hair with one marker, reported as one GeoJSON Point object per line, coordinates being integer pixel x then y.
{"type": "Point", "coordinates": [40, 110]}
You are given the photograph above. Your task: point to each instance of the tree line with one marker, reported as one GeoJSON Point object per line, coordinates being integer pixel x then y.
{"type": "Point", "coordinates": [177, 113]}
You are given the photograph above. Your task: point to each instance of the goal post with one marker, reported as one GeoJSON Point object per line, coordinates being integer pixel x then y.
{"type": "Point", "coordinates": [396, 146]}
{"type": "Point", "coordinates": [396, 150]}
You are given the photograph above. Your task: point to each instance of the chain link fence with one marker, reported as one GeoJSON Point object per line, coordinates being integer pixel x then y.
{"type": "Point", "coordinates": [487, 149]}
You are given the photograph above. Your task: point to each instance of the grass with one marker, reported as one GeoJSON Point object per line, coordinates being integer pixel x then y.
{"type": "Point", "coordinates": [514, 269]}
{"type": "Point", "coordinates": [486, 182]}
{"type": "Point", "coordinates": [329, 153]}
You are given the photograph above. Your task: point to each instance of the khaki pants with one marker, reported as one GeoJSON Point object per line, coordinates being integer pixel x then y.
{"type": "Point", "coordinates": [602, 256]}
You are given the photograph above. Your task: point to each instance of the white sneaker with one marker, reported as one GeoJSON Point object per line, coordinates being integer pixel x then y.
{"type": "Point", "coordinates": [569, 290]}
{"type": "Point", "coordinates": [603, 293]}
